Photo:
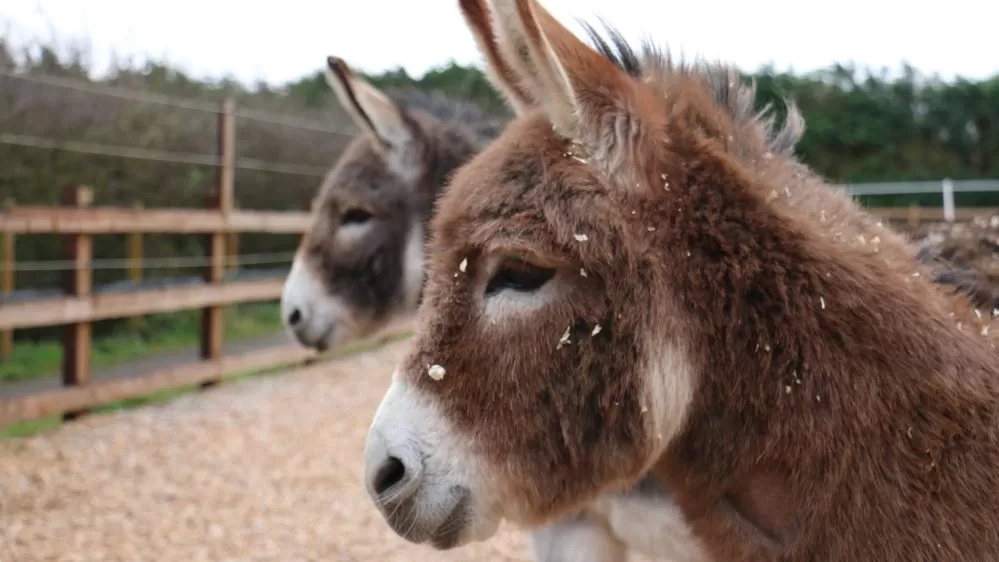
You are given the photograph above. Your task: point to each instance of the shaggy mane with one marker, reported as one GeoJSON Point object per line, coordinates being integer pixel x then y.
{"type": "Point", "coordinates": [723, 80]}
{"type": "Point", "coordinates": [459, 113]}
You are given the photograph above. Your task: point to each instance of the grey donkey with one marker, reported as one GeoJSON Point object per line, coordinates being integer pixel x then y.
{"type": "Point", "coordinates": [359, 269]}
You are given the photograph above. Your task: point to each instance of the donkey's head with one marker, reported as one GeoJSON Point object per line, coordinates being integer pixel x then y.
{"type": "Point", "coordinates": [360, 264]}
{"type": "Point", "coordinates": [551, 360]}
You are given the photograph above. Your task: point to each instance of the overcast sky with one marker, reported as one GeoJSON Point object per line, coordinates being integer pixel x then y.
{"type": "Point", "coordinates": [279, 41]}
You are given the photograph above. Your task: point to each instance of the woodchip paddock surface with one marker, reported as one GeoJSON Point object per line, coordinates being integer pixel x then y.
{"type": "Point", "coordinates": [266, 469]}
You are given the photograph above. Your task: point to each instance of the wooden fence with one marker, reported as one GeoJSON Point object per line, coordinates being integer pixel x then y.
{"type": "Point", "coordinates": [78, 221]}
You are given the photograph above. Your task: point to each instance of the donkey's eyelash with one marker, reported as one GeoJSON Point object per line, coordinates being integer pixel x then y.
{"type": "Point", "coordinates": [518, 275]}
{"type": "Point", "coordinates": [355, 216]}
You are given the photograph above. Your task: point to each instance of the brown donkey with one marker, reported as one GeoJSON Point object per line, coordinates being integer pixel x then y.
{"type": "Point", "coordinates": [639, 517]}
{"type": "Point", "coordinates": [359, 267]}
{"type": "Point", "coordinates": [616, 286]}
{"type": "Point", "coordinates": [356, 273]}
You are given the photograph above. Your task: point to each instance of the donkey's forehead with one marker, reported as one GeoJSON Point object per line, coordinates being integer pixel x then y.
{"type": "Point", "coordinates": [529, 187]}
{"type": "Point", "coordinates": [360, 172]}
{"type": "Point", "coordinates": [514, 173]}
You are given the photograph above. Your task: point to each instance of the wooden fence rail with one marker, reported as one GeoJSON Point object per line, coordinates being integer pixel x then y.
{"type": "Point", "coordinates": [915, 215]}
{"type": "Point", "coordinates": [6, 287]}
{"type": "Point", "coordinates": [66, 310]}
{"type": "Point", "coordinates": [75, 399]}
{"type": "Point", "coordinates": [122, 220]}
{"type": "Point", "coordinates": [78, 220]}
{"type": "Point", "coordinates": [119, 220]}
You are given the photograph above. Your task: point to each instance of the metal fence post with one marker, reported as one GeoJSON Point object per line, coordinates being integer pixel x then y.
{"type": "Point", "coordinates": [948, 199]}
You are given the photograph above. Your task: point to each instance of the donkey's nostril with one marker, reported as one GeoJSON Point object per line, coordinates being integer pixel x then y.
{"type": "Point", "coordinates": [390, 473]}
{"type": "Point", "coordinates": [295, 317]}
{"type": "Point", "coordinates": [391, 476]}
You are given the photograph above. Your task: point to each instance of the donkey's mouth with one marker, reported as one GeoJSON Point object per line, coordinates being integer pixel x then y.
{"type": "Point", "coordinates": [329, 338]}
{"type": "Point", "coordinates": [324, 341]}
{"type": "Point", "coordinates": [316, 337]}
{"type": "Point", "coordinates": [449, 534]}
{"type": "Point", "coordinates": [405, 519]}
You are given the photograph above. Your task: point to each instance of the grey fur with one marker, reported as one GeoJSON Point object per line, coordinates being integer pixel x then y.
{"type": "Point", "coordinates": [367, 273]}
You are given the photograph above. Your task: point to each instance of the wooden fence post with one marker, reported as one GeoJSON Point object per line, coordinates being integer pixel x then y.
{"type": "Point", "coordinates": [232, 251]}
{"type": "Point", "coordinates": [6, 284]}
{"type": "Point", "coordinates": [76, 342]}
{"type": "Point", "coordinates": [135, 264]}
{"type": "Point", "coordinates": [212, 320]}
{"type": "Point", "coordinates": [227, 176]}
{"type": "Point", "coordinates": [227, 157]}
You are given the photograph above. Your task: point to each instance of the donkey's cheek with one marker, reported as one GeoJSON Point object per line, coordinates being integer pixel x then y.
{"type": "Point", "coordinates": [413, 261]}
{"type": "Point", "coordinates": [669, 384]}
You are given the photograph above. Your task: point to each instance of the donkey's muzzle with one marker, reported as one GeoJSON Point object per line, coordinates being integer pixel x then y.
{"type": "Point", "coordinates": [391, 477]}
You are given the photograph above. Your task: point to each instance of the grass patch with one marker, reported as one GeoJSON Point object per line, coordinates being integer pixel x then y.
{"type": "Point", "coordinates": [148, 335]}
{"type": "Point", "coordinates": [32, 427]}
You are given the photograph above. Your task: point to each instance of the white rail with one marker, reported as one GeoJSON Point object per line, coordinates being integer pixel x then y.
{"type": "Point", "coordinates": [945, 187]}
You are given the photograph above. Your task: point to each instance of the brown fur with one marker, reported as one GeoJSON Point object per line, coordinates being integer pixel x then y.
{"type": "Point", "coordinates": [839, 411]}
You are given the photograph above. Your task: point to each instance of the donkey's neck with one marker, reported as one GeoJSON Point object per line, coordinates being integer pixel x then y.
{"type": "Point", "coordinates": [971, 294]}
{"type": "Point", "coordinates": [830, 384]}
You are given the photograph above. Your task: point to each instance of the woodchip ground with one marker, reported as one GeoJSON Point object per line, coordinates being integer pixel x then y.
{"type": "Point", "coordinates": [264, 469]}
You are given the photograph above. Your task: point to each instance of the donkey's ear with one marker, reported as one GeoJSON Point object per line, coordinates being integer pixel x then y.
{"type": "Point", "coordinates": [370, 109]}
{"type": "Point", "coordinates": [576, 85]}
{"type": "Point", "coordinates": [502, 76]}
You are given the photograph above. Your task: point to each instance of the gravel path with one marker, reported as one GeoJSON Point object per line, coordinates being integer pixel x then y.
{"type": "Point", "coordinates": [267, 469]}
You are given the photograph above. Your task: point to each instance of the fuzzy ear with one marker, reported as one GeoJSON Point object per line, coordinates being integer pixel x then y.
{"type": "Point", "coordinates": [500, 74]}
{"type": "Point", "coordinates": [370, 109]}
{"type": "Point", "coordinates": [576, 85]}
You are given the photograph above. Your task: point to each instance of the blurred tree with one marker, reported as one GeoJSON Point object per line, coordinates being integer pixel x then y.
{"type": "Point", "coordinates": [862, 125]}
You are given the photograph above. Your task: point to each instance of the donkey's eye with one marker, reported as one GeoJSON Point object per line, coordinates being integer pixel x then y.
{"type": "Point", "coordinates": [355, 216]}
{"type": "Point", "coordinates": [518, 275]}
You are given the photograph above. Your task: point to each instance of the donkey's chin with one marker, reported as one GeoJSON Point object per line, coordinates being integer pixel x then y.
{"type": "Point", "coordinates": [321, 336]}
{"type": "Point", "coordinates": [449, 520]}
{"type": "Point", "coordinates": [331, 338]}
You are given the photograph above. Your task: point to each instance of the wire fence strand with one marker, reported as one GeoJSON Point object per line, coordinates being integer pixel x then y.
{"type": "Point", "coordinates": [156, 155]}
{"type": "Point", "coordinates": [162, 99]}
{"type": "Point", "coordinates": [154, 263]}
{"type": "Point", "coordinates": [172, 157]}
